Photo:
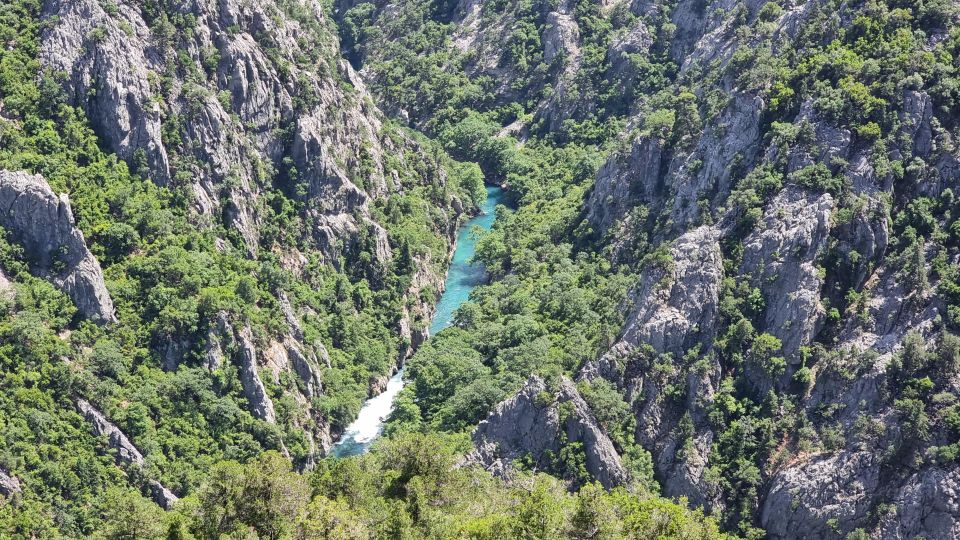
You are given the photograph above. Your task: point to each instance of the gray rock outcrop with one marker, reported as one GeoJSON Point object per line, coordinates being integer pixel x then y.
{"type": "Point", "coordinates": [306, 368]}
{"type": "Point", "coordinates": [261, 406]}
{"type": "Point", "coordinates": [625, 179]}
{"type": "Point", "coordinates": [290, 355]}
{"type": "Point", "coordinates": [126, 452]}
{"type": "Point", "coordinates": [7, 290]}
{"type": "Point", "coordinates": [829, 496]}
{"type": "Point", "coordinates": [9, 485]}
{"type": "Point", "coordinates": [533, 422]}
{"type": "Point", "coordinates": [927, 505]}
{"type": "Point", "coordinates": [682, 182]}
{"type": "Point", "coordinates": [34, 217]}
{"type": "Point", "coordinates": [108, 72]}
{"type": "Point", "coordinates": [674, 307]}
{"type": "Point", "coordinates": [780, 257]}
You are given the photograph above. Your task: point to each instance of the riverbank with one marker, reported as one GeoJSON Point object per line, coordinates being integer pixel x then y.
{"type": "Point", "coordinates": [462, 277]}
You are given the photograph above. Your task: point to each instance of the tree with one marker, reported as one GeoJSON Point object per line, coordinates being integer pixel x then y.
{"type": "Point", "coordinates": [330, 520]}
{"type": "Point", "coordinates": [688, 124]}
{"type": "Point", "coordinates": [914, 271]}
{"type": "Point", "coordinates": [763, 354]}
{"type": "Point", "coordinates": [470, 178]}
{"type": "Point", "coordinates": [595, 515]}
{"type": "Point", "coordinates": [541, 514]}
{"type": "Point", "coordinates": [119, 239]}
{"type": "Point", "coordinates": [107, 360]}
{"type": "Point", "coordinates": [129, 516]}
{"type": "Point", "coordinates": [264, 495]}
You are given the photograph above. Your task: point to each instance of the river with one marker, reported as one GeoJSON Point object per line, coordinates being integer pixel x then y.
{"type": "Point", "coordinates": [462, 277]}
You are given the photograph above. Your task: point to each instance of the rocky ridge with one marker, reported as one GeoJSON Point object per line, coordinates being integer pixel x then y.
{"type": "Point", "coordinates": [248, 101]}
{"type": "Point", "coordinates": [41, 222]}
{"type": "Point", "coordinates": [536, 424]}
{"type": "Point", "coordinates": [126, 453]}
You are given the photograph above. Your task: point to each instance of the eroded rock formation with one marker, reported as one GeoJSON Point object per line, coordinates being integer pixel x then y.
{"type": "Point", "coordinates": [34, 217]}
{"type": "Point", "coordinates": [538, 423]}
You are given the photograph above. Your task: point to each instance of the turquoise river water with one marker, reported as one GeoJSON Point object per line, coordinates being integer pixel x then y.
{"type": "Point", "coordinates": [462, 277]}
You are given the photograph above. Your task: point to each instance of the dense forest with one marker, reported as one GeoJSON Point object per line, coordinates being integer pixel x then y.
{"type": "Point", "coordinates": [722, 300]}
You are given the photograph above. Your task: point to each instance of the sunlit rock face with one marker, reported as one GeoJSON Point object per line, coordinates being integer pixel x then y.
{"type": "Point", "coordinates": [34, 217]}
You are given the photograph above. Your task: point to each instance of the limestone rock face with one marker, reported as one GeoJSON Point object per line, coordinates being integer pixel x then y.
{"type": "Point", "coordinates": [833, 494]}
{"type": "Point", "coordinates": [108, 72]}
{"type": "Point", "coordinates": [673, 311]}
{"type": "Point", "coordinates": [561, 49]}
{"type": "Point", "coordinates": [672, 305]}
{"type": "Point", "coordinates": [261, 406]}
{"type": "Point", "coordinates": [780, 255]}
{"type": "Point", "coordinates": [637, 40]}
{"type": "Point", "coordinates": [844, 484]}
{"type": "Point", "coordinates": [685, 182]}
{"type": "Point", "coordinates": [306, 368]}
{"type": "Point", "coordinates": [532, 422]}
{"type": "Point", "coordinates": [625, 179]}
{"type": "Point", "coordinates": [36, 218]}
{"type": "Point", "coordinates": [916, 116]}
{"type": "Point", "coordinates": [305, 362]}
{"type": "Point", "coordinates": [7, 291]}
{"type": "Point", "coordinates": [706, 172]}
{"type": "Point", "coordinates": [9, 485]}
{"type": "Point", "coordinates": [127, 453]}
{"type": "Point", "coordinates": [927, 505]}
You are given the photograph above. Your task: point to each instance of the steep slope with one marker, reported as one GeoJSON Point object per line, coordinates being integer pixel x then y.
{"type": "Point", "coordinates": [259, 242]}
{"type": "Point", "coordinates": [825, 271]}
{"type": "Point", "coordinates": [43, 224]}
{"type": "Point", "coordinates": [781, 178]}
{"type": "Point", "coordinates": [248, 113]}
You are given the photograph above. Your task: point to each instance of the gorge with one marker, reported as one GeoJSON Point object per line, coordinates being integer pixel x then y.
{"type": "Point", "coordinates": [462, 276]}
{"type": "Point", "coordinates": [723, 301]}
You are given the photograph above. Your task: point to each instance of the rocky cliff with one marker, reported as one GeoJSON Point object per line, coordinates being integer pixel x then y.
{"type": "Point", "coordinates": [540, 426]}
{"type": "Point", "coordinates": [41, 222]}
{"type": "Point", "coordinates": [786, 198]}
{"type": "Point", "coordinates": [242, 105]}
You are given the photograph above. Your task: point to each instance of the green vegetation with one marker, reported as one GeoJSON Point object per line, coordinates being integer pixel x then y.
{"type": "Point", "coordinates": [408, 487]}
{"type": "Point", "coordinates": [169, 279]}
{"type": "Point", "coordinates": [557, 291]}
